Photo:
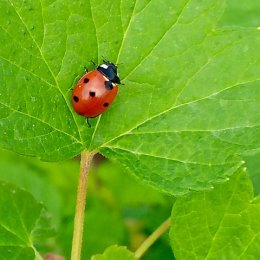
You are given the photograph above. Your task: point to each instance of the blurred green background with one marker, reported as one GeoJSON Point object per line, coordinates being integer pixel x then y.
{"type": "Point", "coordinates": [119, 209]}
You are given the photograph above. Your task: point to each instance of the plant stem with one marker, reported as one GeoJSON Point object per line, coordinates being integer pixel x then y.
{"type": "Point", "coordinates": [86, 158]}
{"type": "Point", "coordinates": [152, 238]}
{"type": "Point", "coordinates": [37, 255]}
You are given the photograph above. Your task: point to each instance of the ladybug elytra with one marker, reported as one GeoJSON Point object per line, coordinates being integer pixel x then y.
{"type": "Point", "coordinates": [96, 90]}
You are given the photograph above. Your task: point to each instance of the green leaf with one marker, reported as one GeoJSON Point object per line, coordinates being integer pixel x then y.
{"type": "Point", "coordinates": [221, 224]}
{"type": "Point", "coordinates": [241, 13]}
{"type": "Point", "coordinates": [186, 112]}
{"type": "Point", "coordinates": [115, 252]}
{"type": "Point", "coordinates": [253, 165]}
{"type": "Point", "coordinates": [21, 172]}
{"type": "Point", "coordinates": [23, 221]}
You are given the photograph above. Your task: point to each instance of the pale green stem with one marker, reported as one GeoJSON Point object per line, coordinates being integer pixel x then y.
{"type": "Point", "coordinates": [37, 255]}
{"type": "Point", "coordinates": [86, 159]}
{"type": "Point", "coordinates": [152, 238]}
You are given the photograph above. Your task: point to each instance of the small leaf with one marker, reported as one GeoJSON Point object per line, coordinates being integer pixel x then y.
{"type": "Point", "coordinates": [21, 223]}
{"type": "Point", "coordinates": [221, 224]}
{"type": "Point", "coordinates": [115, 252]}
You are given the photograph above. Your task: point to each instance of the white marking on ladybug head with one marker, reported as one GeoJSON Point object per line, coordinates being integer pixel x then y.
{"type": "Point", "coordinates": [106, 79]}
{"type": "Point", "coordinates": [104, 66]}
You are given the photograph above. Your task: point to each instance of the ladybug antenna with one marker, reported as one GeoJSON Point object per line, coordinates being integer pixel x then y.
{"type": "Point", "coordinates": [94, 63]}
{"type": "Point", "coordinates": [104, 59]}
{"type": "Point", "coordinates": [87, 121]}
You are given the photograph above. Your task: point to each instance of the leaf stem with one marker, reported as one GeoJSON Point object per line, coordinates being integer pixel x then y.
{"type": "Point", "coordinates": [37, 255]}
{"type": "Point", "coordinates": [85, 162]}
{"type": "Point", "coordinates": [152, 238]}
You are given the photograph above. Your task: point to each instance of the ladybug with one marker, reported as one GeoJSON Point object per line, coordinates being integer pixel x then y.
{"type": "Point", "coordinates": [96, 90]}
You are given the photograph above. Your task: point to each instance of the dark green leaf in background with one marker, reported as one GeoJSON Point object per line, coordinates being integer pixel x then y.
{"type": "Point", "coordinates": [116, 203]}
{"type": "Point", "coordinates": [221, 224]}
{"type": "Point", "coordinates": [27, 175]}
{"type": "Point", "coordinates": [23, 222]}
{"type": "Point", "coordinates": [185, 113]}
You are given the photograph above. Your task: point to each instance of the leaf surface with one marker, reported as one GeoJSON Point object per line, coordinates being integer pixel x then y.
{"type": "Point", "coordinates": [241, 13]}
{"type": "Point", "coordinates": [23, 221]}
{"type": "Point", "coordinates": [221, 224]}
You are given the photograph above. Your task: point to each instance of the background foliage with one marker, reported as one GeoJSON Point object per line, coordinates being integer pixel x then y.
{"type": "Point", "coordinates": [180, 131]}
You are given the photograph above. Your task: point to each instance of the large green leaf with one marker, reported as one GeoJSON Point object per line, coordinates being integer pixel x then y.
{"type": "Point", "coordinates": [242, 13]}
{"type": "Point", "coordinates": [187, 109]}
{"type": "Point", "coordinates": [23, 221]}
{"type": "Point", "coordinates": [221, 224]}
{"type": "Point", "coordinates": [253, 165]}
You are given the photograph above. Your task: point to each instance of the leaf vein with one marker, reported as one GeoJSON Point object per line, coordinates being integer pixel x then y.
{"type": "Point", "coordinates": [173, 108]}
{"type": "Point", "coordinates": [12, 232]}
{"type": "Point", "coordinates": [55, 79]}
{"type": "Point", "coordinates": [167, 158]}
{"type": "Point", "coordinates": [161, 38]}
{"type": "Point", "coordinates": [40, 120]}
{"type": "Point", "coordinates": [125, 33]}
{"type": "Point", "coordinates": [223, 217]}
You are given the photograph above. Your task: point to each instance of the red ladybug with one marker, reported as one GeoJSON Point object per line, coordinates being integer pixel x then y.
{"type": "Point", "coordinates": [96, 90]}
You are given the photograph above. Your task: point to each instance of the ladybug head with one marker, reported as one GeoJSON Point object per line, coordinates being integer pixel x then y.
{"type": "Point", "coordinates": [109, 70]}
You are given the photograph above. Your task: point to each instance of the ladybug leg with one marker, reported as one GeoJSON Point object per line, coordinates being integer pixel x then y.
{"type": "Point", "coordinates": [86, 69]}
{"type": "Point", "coordinates": [74, 82]}
{"type": "Point", "coordinates": [87, 121]}
{"type": "Point", "coordinates": [108, 85]}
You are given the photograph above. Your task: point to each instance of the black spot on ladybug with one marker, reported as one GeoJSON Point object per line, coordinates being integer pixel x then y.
{"type": "Point", "coordinates": [106, 104]}
{"type": "Point", "coordinates": [92, 93]}
{"type": "Point", "coordinates": [75, 98]}
{"type": "Point", "coordinates": [86, 80]}
{"type": "Point", "coordinates": [108, 85]}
